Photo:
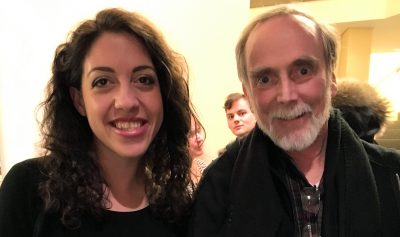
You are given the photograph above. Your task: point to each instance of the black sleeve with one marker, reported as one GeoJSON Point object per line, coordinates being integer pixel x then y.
{"type": "Point", "coordinates": [18, 193]}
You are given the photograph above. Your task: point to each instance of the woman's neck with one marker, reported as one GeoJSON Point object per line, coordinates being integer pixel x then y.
{"type": "Point", "coordinates": [125, 183]}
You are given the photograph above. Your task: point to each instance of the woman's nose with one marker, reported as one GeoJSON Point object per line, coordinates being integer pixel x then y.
{"type": "Point", "coordinates": [199, 138]}
{"type": "Point", "coordinates": [126, 98]}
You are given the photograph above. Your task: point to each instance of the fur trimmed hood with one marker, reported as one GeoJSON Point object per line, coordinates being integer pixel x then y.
{"type": "Point", "coordinates": [362, 106]}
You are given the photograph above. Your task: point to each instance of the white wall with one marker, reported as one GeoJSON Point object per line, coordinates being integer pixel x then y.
{"type": "Point", "coordinates": [205, 31]}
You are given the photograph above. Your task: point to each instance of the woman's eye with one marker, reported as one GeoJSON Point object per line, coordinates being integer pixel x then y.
{"type": "Point", "coordinates": [100, 82]}
{"type": "Point", "coordinates": [146, 80]}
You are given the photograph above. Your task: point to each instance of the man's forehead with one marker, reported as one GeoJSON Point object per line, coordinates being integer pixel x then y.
{"type": "Point", "coordinates": [239, 104]}
{"type": "Point", "coordinates": [295, 32]}
{"type": "Point", "coordinates": [307, 23]}
{"type": "Point", "coordinates": [281, 23]}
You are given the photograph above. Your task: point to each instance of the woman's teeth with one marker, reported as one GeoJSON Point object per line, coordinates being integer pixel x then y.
{"type": "Point", "coordinates": [127, 125]}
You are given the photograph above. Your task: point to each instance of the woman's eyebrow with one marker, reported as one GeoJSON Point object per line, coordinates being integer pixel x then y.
{"type": "Point", "coordinates": [100, 68]}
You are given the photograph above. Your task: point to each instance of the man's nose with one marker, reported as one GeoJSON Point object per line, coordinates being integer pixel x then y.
{"type": "Point", "coordinates": [287, 90]}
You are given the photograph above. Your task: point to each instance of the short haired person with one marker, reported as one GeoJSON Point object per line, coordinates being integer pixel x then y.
{"type": "Point", "coordinates": [115, 125]}
{"type": "Point", "coordinates": [302, 171]}
{"type": "Point", "coordinates": [239, 116]}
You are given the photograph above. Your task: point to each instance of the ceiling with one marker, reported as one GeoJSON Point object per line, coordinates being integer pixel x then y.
{"type": "Point", "coordinates": [264, 3]}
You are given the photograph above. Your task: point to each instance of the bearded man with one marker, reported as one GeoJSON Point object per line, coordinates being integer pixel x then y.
{"type": "Point", "coordinates": [302, 171]}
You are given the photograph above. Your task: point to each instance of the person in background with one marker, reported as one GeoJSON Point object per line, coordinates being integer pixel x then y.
{"type": "Point", "coordinates": [116, 118]}
{"type": "Point", "coordinates": [239, 116]}
{"type": "Point", "coordinates": [196, 139]}
{"type": "Point", "coordinates": [363, 108]}
{"type": "Point", "coordinates": [302, 171]}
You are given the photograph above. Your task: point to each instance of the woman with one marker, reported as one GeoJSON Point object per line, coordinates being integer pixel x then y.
{"type": "Point", "coordinates": [115, 127]}
{"type": "Point", "coordinates": [196, 141]}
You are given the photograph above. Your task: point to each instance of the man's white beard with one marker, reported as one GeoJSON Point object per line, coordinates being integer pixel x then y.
{"type": "Point", "coordinates": [305, 136]}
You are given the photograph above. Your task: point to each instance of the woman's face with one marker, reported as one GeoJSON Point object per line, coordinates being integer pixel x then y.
{"type": "Point", "coordinates": [196, 140]}
{"type": "Point", "coordinates": [120, 96]}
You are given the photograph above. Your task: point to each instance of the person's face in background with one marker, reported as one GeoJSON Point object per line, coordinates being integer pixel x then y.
{"type": "Point", "coordinates": [241, 119]}
{"type": "Point", "coordinates": [120, 96]}
{"type": "Point", "coordinates": [195, 139]}
{"type": "Point", "coordinates": [289, 86]}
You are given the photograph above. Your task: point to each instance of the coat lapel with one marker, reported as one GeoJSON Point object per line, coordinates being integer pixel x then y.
{"type": "Point", "coordinates": [255, 209]}
{"type": "Point", "coordinates": [351, 193]}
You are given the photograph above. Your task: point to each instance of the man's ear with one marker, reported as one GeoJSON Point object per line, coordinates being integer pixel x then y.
{"type": "Point", "coordinates": [333, 85]}
{"type": "Point", "coordinates": [244, 90]}
{"type": "Point", "coordinates": [76, 96]}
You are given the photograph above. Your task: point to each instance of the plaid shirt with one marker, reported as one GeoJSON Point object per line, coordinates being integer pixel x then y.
{"type": "Point", "coordinates": [306, 202]}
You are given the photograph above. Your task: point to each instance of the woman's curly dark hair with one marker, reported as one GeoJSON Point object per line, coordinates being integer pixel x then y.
{"type": "Point", "coordinates": [74, 186]}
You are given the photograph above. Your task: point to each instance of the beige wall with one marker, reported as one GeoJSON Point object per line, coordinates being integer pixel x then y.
{"type": "Point", "coordinates": [355, 53]}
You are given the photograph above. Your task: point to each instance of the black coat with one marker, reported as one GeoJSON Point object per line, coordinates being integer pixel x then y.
{"type": "Point", "coordinates": [240, 195]}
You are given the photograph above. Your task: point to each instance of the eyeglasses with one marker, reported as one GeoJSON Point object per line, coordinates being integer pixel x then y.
{"type": "Point", "coordinates": [310, 200]}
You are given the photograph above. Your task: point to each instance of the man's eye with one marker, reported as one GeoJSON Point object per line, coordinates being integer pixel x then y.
{"type": "Point", "coordinates": [264, 80]}
{"type": "Point", "coordinates": [100, 82]}
{"type": "Point", "coordinates": [304, 71]}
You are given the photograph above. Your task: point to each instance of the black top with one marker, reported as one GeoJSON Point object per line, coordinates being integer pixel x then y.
{"type": "Point", "coordinates": [21, 213]}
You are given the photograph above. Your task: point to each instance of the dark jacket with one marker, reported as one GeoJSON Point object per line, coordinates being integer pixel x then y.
{"type": "Point", "coordinates": [240, 195]}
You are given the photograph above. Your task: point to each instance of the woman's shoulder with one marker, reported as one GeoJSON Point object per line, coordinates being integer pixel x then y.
{"type": "Point", "coordinates": [30, 167]}
{"type": "Point", "coordinates": [23, 176]}
{"type": "Point", "coordinates": [19, 198]}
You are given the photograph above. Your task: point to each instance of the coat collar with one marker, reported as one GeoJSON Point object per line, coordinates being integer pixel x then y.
{"type": "Point", "coordinates": [254, 203]}
{"type": "Point", "coordinates": [256, 207]}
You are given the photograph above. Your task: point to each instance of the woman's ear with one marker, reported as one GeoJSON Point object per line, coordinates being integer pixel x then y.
{"type": "Point", "coordinates": [77, 99]}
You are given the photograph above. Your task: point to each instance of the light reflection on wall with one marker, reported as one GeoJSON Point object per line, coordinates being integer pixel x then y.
{"type": "Point", "coordinates": [384, 74]}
